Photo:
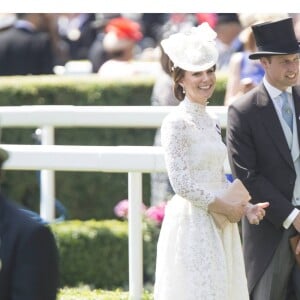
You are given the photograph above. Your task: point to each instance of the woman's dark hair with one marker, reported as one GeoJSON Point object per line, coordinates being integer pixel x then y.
{"type": "Point", "coordinates": [165, 61]}
{"type": "Point", "coordinates": [177, 74]}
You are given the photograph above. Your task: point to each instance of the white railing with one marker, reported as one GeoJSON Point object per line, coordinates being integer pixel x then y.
{"type": "Point", "coordinates": [133, 160]}
{"type": "Point", "coordinates": [49, 117]}
{"type": "Point", "coordinates": [93, 116]}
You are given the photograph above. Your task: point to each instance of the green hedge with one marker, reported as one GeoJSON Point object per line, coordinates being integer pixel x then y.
{"type": "Point", "coordinates": [85, 195]}
{"type": "Point", "coordinates": [95, 253]}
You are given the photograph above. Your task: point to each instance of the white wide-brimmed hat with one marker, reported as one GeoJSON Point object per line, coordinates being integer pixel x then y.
{"type": "Point", "coordinates": [193, 50]}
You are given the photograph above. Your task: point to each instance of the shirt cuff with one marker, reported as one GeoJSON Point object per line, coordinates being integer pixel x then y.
{"type": "Point", "coordinates": [290, 219]}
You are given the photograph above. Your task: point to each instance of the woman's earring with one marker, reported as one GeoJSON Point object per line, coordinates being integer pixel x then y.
{"type": "Point", "coordinates": [183, 91]}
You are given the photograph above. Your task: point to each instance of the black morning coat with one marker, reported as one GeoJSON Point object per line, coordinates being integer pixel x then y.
{"type": "Point", "coordinates": [259, 155]}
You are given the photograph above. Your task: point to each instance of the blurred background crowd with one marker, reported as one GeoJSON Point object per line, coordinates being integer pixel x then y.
{"type": "Point", "coordinates": [33, 43]}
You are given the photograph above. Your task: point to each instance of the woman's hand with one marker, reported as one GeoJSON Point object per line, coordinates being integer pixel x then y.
{"type": "Point", "coordinates": [236, 210]}
{"type": "Point", "coordinates": [256, 212]}
{"type": "Point", "coordinates": [233, 210]}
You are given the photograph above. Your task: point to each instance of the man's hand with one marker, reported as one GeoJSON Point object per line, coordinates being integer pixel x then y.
{"type": "Point", "coordinates": [256, 212]}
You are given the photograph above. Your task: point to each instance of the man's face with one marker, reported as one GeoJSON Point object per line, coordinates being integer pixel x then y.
{"type": "Point", "coordinates": [281, 70]}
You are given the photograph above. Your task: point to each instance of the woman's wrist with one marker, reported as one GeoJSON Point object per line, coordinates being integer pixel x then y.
{"type": "Point", "coordinates": [220, 206]}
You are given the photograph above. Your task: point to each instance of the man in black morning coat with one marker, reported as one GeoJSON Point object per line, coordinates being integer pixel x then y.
{"type": "Point", "coordinates": [28, 254]}
{"type": "Point", "coordinates": [264, 153]}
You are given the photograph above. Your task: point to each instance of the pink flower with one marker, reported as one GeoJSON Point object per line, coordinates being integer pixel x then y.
{"type": "Point", "coordinates": [121, 209]}
{"type": "Point", "coordinates": [156, 213]}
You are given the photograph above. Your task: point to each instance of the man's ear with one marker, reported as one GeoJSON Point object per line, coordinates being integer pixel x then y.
{"type": "Point", "coordinates": [265, 61]}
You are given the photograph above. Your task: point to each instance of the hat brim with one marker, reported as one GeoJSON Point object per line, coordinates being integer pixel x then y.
{"type": "Point", "coordinates": [259, 54]}
{"type": "Point", "coordinates": [196, 68]}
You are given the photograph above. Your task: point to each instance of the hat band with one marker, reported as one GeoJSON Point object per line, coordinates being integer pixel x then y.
{"type": "Point", "coordinates": [291, 47]}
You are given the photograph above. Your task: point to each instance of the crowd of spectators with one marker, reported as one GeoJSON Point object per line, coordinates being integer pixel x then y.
{"type": "Point", "coordinates": [34, 43]}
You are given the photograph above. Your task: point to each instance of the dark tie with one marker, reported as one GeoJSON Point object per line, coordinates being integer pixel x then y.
{"type": "Point", "coordinates": [286, 110]}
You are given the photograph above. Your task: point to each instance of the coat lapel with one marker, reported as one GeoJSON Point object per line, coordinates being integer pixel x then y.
{"type": "Point", "coordinates": [296, 98]}
{"type": "Point", "coordinates": [270, 119]}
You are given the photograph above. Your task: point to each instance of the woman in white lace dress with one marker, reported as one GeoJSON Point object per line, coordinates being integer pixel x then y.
{"type": "Point", "coordinates": [196, 260]}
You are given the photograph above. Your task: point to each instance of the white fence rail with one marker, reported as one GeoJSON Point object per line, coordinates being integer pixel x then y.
{"type": "Point", "coordinates": [121, 159]}
{"type": "Point", "coordinates": [49, 117]}
{"type": "Point", "coordinates": [133, 160]}
{"type": "Point", "coordinates": [92, 116]}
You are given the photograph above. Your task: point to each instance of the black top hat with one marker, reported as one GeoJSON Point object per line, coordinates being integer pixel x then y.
{"type": "Point", "coordinates": [275, 38]}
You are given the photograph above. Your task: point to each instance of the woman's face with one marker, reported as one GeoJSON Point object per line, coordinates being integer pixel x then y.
{"type": "Point", "coordinates": [282, 70]}
{"type": "Point", "coordinates": [199, 86]}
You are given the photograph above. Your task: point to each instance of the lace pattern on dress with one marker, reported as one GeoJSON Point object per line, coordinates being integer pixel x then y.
{"type": "Point", "coordinates": [194, 152]}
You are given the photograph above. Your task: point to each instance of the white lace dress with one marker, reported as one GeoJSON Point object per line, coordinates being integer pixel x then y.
{"type": "Point", "coordinates": [196, 260]}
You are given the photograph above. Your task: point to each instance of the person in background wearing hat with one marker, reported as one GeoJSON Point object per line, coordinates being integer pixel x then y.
{"type": "Point", "coordinates": [28, 254]}
{"type": "Point", "coordinates": [263, 148]}
{"type": "Point", "coordinates": [199, 257]}
{"type": "Point", "coordinates": [119, 43]}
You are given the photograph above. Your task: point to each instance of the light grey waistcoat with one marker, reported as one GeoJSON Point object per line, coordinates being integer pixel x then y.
{"type": "Point", "coordinates": [293, 143]}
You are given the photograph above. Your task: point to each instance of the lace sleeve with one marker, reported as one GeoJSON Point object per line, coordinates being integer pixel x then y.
{"type": "Point", "coordinates": [175, 141]}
